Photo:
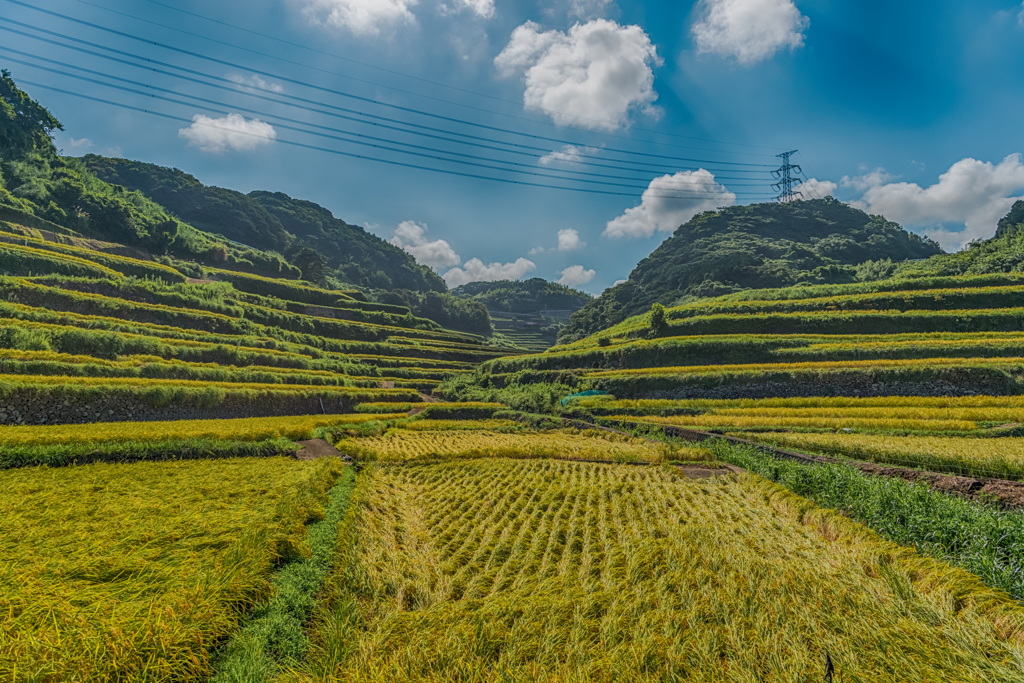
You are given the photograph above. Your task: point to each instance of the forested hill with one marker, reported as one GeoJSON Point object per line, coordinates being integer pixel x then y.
{"type": "Point", "coordinates": [820, 241]}
{"type": "Point", "coordinates": [524, 296]}
{"type": "Point", "coordinates": [299, 229]}
{"type": "Point", "coordinates": [1003, 253]}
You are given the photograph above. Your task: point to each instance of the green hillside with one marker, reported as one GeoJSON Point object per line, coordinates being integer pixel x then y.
{"type": "Point", "coordinates": [1003, 253]}
{"type": "Point", "coordinates": [44, 191]}
{"type": "Point", "coordinates": [530, 313]}
{"type": "Point", "coordinates": [748, 247]}
{"type": "Point", "coordinates": [299, 229]}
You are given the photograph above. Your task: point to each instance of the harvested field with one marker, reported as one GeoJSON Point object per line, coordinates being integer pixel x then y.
{"type": "Point", "coordinates": [498, 570]}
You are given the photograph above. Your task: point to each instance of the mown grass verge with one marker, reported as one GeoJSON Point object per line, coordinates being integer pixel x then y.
{"type": "Point", "coordinates": [274, 635]}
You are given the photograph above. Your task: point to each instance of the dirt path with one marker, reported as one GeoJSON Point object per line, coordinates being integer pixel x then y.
{"type": "Point", "coordinates": [317, 448]}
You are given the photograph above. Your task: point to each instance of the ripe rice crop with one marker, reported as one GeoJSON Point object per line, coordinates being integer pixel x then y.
{"type": "Point", "coordinates": [493, 571]}
{"type": "Point", "coordinates": [428, 425]}
{"type": "Point", "coordinates": [49, 380]}
{"type": "Point", "coordinates": [810, 365]}
{"type": "Point", "coordinates": [820, 422]}
{"type": "Point", "coordinates": [1000, 458]}
{"type": "Point", "coordinates": [297, 428]}
{"type": "Point", "coordinates": [136, 572]}
{"type": "Point", "coordinates": [400, 445]}
{"type": "Point", "coordinates": [823, 402]}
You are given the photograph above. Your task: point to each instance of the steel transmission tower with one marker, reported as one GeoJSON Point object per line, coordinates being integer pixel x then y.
{"type": "Point", "coordinates": [787, 183]}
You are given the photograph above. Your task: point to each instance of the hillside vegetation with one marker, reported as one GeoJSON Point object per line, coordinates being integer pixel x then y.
{"type": "Point", "coordinates": [748, 247]}
{"type": "Point", "coordinates": [59, 195]}
{"type": "Point", "coordinates": [301, 230]}
{"type": "Point", "coordinates": [529, 313]}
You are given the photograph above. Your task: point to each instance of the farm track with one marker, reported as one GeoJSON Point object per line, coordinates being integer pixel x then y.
{"type": "Point", "coordinates": [1009, 493]}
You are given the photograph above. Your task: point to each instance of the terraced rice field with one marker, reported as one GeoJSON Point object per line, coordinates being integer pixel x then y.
{"type": "Point", "coordinates": [298, 428]}
{"type": "Point", "coordinates": [501, 570]}
{"type": "Point", "coordinates": [401, 445]}
{"type": "Point", "coordinates": [998, 458]}
{"type": "Point", "coordinates": [136, 572]}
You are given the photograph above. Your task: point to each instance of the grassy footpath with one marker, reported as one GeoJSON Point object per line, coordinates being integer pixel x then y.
{"type": "Point", "coordinates": [274, 634]}
{"type": "Point", "coordinates": [984, 540]}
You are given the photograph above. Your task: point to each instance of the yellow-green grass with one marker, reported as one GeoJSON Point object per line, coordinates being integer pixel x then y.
{"type": "Point", "coordinates": [32, 317]}
{"type": "Point", "coordinates": [401, 445]}
{"type": "Point", "coordinates": [137, 572]}
{"type": "Point", "coordinates": [51, 256]}
{"type": "Point", "coordinates": [99, 259]}
{"type": "Point", "coordinates": [810, 365]}
{"type": "Point", "coordinates": [63, 380]}
{"type": "Point", "coordinates": [296, 427]}
{"type": "Point", "coordinates": [1012, 403]}
{"type": "Point", "coordinates": [999, 458]}
{"type": "Point", "coordinates": [866, 422]}
{"type": "Point", "coordinates": [495, 570]}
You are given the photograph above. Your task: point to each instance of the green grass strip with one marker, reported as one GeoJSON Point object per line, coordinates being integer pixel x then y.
{"type": "Point", "coordinates": [61, 455]}
{"type": "Point", "coordinates": [982, 539]}
{"type": "Point", "coordinates": [274, 634]}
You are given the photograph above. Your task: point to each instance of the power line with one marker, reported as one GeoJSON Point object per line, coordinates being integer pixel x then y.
{"type": "Point", "coordinates": [427, 152]}
{"type": "Point", "coordinates": [317, 87]}
{"type": "Point", "coordinates": [397, 73]}
{"type": "Point", "coordinates": [355, 156]}
{"type": "Point", "coordinates": [307, 108]}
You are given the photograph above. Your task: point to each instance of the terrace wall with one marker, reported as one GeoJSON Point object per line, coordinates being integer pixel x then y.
{"type": "Point", "coordinates": [34, 406]}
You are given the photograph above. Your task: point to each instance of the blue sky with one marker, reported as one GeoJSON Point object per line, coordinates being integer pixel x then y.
{"type": "Point", "coordinates": [911, 110]}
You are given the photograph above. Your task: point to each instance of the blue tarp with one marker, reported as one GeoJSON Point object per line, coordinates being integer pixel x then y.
{"type": "Point", "coordinates": [591, 392]}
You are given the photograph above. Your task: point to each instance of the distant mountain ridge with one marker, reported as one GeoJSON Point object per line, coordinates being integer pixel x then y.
{"type": "Point", "coordinates": [524, 296]}
{"type": "Point", "coordinates": [272, 221]}
{"type": "Point", "coordinates": [819, 241]}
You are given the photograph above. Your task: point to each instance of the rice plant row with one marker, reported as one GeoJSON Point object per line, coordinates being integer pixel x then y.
{"type": "Point", "coordinates": [811, 365]}
{"type": "Point", "coordinates": [496, 570]}
{"type": "Point", "coordinates": [403, 445]}
{"type": "Point", "coordinates": [996, 458]}
{"type": "Point", "coordinates": [297, 427]}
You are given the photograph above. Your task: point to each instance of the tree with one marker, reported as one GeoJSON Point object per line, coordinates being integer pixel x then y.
{"type": "Point", "coordinates": [163, 234]}
{"type": "Point", "coordinates": [658, 322]}
{"type": "Point", "coordinates": [24, 123]}
{"type": "Point", "coordinates": [312, 265]}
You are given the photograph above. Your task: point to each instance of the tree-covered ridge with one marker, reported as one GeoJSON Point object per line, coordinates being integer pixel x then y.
{"type": "Point", "coordinates": [37, 184]}
{"type": "Point", "coordinates": [757, 246]}
{"type": "Point", "coordinates": [301, 230]}
{"type": "Point", "coordinates": [524, 296]}
{"type": "Point", "coordinates": [1003, 253]}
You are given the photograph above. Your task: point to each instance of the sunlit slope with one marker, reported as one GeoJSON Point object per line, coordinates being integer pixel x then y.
{"type": "Point", "coordinates": [126, 329]}
{"type": "Point", "coordinates": [937, 336]}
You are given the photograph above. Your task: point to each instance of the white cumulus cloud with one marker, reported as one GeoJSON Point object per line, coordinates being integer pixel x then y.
{"type": "Point", "coordinates": [574, 276]}
{"type": "Point", "coordinates": [231, 132]}
{"type": "Point", "coordinates": [482, 8]}
{"type": "Point", "coordinates": [568, 154]}
{"type": "Point", "coordinates": [812, 188]}
{"type": "Point", "coordinates": [81, 143]}
{"type": "Point", "coordinates": [412, 237]}
{"type": "Point", "coordinates": [475, 270]}
{"type": "Point", "coordinates": [670, 201]}
{"type": "Point", "coordinates": [975, 193]}
{"type": "Point", "coordinates": [361, 17]}
{"type": "Point", "coordinates": [569, 239]}
{"type": "Point", "coordinates": [592, 76]}
{"type": "Point", "coordinates": [256, 82]}
{"type": "Point", "coordinates": [748, 30]}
